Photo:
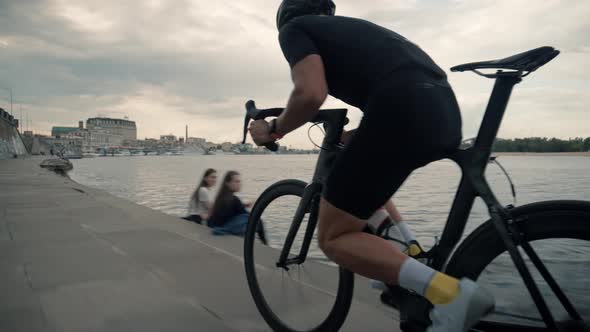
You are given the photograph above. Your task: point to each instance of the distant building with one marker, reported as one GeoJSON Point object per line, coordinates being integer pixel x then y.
{"type": "Point", "coordinates": [168, 138]}
{"type": "Point", "coordinates": [209, 146]}
{"type": "Point", "coordinates": [99, 133]}
{"type": "Point", "coordinates": [196, 141]}
{"type": "Point", "coordinates": [103, 138]}
{"type": "Point", "coordinates": [115, 127]}
{"type": "Point", "coordinates": [7, 117]}
{"type": "Point", "coordinates": [62, 131]}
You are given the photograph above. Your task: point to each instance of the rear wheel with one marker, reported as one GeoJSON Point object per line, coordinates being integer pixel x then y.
{"type": "Point", "coordinates": [559, 233]}
{"type": "Point", "coordinates": [312, 296]}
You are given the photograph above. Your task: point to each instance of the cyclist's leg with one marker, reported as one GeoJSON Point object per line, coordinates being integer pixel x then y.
{"type": "Point", "coordinates": [414, 249]}
{"type": "Point", "coordinates": [399, 221]}
{"type": "Point", "coordinates": [342, 239]}
{"type": "Point", "coordinates": [355, 189]}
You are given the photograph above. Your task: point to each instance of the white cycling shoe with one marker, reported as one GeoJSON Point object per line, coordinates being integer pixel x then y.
{"type": "Point", "coordinates": [472, 303]}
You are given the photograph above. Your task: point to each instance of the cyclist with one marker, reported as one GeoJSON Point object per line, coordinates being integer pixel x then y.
{"type": "Point", "coordinates": [410, 112]}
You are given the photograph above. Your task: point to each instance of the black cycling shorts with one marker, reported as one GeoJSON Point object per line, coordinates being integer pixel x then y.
{"type": "Point", "coordinates": [406, 124]}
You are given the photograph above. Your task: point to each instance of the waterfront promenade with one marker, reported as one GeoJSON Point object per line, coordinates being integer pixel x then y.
{"type": "Point", "coordinates": [73, 258]}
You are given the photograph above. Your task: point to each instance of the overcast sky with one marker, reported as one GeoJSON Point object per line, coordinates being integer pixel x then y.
{"type": "Point", "coordinates": [165, 64]}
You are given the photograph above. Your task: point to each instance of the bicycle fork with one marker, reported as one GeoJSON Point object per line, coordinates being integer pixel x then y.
{"type": "Point", "coordinates": [310, 202]}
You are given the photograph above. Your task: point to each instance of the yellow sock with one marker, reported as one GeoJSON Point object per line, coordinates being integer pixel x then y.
{"type": "Point", "coordinates": [413, 250]}
{"type": "Point", "coordinates": [442, 289]}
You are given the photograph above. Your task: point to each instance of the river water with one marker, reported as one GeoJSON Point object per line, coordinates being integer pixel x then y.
{"type": "Point", "coordinates": [165, 183]}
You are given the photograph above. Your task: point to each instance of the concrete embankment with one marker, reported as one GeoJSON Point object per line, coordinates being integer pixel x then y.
{"type": "Point", "coordinates": [37, 145]}
{"type": "Point", "coordinates": [73, 258]}
{"type": "Point", "coordinates": [11, 143]}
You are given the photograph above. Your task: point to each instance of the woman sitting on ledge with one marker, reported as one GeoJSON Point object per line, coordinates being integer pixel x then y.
{"type": "Point", "coordinates": [229, 215]}
{"type": "Point", "coordinates": [200, 204]}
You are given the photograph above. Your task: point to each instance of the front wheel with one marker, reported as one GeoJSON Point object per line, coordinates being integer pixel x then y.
{"type": "Point", "coordinates": [559, 233]}
{"type": "Point", "coordinates": [312, 296]}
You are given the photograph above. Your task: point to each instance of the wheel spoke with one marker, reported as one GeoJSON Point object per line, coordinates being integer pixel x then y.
{"type": "Point", "coordinates": [550, 280]}
{"type": "Point", "coordinates": [292, 297]}
{"type": "Point", "coordinates": [524, 272]}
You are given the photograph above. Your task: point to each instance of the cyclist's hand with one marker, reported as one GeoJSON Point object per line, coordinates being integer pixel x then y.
{"type": "Point", "coordinates": [259, 130]}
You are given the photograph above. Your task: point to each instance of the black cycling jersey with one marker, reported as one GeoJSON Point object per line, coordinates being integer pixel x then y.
{"type": "Point", "coordinates": [411, 116]}
{"type": "Point", "coordinates": [357, 54]}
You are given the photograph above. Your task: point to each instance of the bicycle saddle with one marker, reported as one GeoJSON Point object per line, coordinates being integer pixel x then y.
{"type": "Point", "coordinates": [528, 61]}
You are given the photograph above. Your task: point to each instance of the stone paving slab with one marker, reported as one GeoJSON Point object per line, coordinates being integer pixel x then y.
{"type": "Point", "coordinates": [74, 258]}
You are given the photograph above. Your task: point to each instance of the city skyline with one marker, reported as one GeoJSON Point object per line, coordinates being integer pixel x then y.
{"type": "Point", "coordinates": [80, 125]}
{"type": "Point", "coordinates": [189, 63]}
{"type": "Point", "coordinates": [123, 132]}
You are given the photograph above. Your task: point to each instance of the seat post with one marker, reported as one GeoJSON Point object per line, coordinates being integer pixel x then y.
{"type": "Point", "coordinates": [473, 162]}
{"type": "Point", "coordinates": [495, 111]}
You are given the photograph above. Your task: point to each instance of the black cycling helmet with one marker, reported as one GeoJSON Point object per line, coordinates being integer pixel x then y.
{"type": "Point", "coordinates": [289, 9]}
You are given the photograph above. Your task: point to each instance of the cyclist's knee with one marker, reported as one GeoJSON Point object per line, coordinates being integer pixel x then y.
{"type": "Point", "coordinates": [334, 223]}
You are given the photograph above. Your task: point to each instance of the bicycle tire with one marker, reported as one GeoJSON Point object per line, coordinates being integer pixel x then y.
{"type": "Point", "coordinates": [339, 310]}
{"type": "Point", "coordinates": [537, 221]}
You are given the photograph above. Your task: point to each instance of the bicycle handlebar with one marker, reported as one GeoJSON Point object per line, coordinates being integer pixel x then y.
{"type": "Point", "coordinates": [252, 113]}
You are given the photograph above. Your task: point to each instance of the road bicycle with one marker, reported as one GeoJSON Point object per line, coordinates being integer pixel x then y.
{"type": "Point", "coordinates": [521, 238]}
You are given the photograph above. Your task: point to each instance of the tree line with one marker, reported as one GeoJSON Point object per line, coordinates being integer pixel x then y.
{"type": "Point", "coordinates": [542, 144]}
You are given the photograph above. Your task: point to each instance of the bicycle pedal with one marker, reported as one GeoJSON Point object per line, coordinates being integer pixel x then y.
{"type": "Point", "coordinates": [389, 300]}
{"type": "Point", "coordinates": [392, 296]}
{"type": "Point", "coordinates": [414, 312]}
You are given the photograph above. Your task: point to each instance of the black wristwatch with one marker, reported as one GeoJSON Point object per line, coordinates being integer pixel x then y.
{"type": "Point", "coordinates": [273, 130]}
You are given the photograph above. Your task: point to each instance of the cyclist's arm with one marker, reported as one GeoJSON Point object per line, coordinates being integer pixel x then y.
{"type": "Point", "coordinates": [309, 93]}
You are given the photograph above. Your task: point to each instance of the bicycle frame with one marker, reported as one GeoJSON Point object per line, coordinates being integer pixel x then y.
{"type": "Point", "coordinates": [473, 162]}
{"type": "Point", "coordinates": [311, 196]}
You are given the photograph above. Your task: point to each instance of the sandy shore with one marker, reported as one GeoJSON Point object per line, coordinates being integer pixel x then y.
{"type": "Point", "coordinates": [567, 154]}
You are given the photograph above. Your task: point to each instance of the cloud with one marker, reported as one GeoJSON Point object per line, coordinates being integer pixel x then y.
{"type": "Point", "coordinates": [166, 64]}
